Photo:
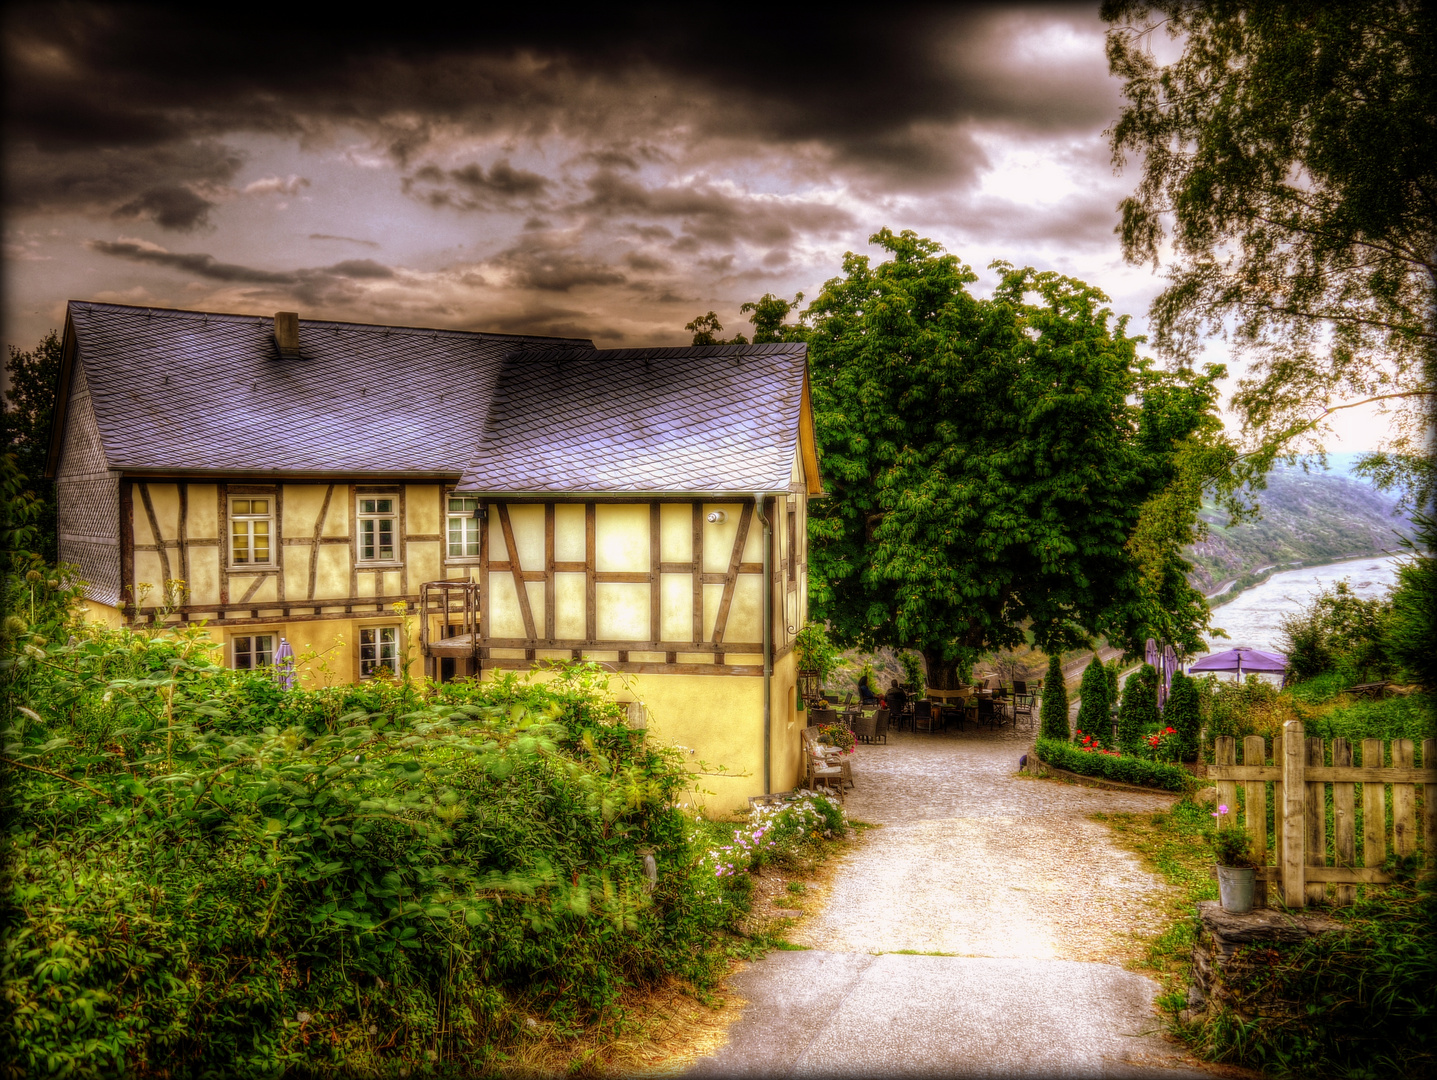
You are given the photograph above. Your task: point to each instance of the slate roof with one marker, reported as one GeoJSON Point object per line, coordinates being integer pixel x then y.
{"type": "Point", "coordinates": [186, 390]}
{"type": "Point", "coordinates": [702, 418]}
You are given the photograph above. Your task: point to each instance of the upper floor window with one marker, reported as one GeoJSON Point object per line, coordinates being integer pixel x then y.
{"type": "Point", "coordinates": [463, 528]}
{"type": "Point", "coordinates": [377, 525]}
{"type": "Point", "coordinates": [253, 651]}
{"type": "Point", "coordinates": [251, 529]}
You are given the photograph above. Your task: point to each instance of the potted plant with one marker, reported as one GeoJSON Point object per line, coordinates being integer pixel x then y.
{"type": "Point", "coordinates": [837, 736]}
{"type": "Point", "coordinates": [1236, 873]}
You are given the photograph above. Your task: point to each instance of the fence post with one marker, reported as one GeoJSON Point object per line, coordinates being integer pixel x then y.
{"type": "Point", "coordinates": [1294, 790]}
{"type": "Point", "coordinates": [1344, 821]}
{"type": "Point", "coordinates": [1315, 813]}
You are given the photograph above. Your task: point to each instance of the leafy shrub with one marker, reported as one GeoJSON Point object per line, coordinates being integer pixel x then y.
{"type": "Point", "coordinates": [378, 881]}
{"type": "Point", "coordinates": [1094, 714]}
{"type": "Point", "coordinates": [1407, 717]}
{"type": "Point", "coordinates": [1414, 609]}
{"type": "Point", "coordinates": [1251, 707]}
{"type": "Point", "coordinates": [1367, 996]}
{"type": "Point", "coordinates": [1339, 630]}
{"type": "Point", "coordinates": [1053, 713]}
{"type": "Point", "coordinates": [1139, 709]}
{"type": "Point", "coordinates": [1112, 766]}
{"type": "Point", "coordinates": [775, 834]}
{"type": "Point", "coordinates": [1231, 846]}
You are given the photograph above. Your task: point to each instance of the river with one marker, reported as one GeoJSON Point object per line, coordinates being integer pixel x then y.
{"type": "Point", "coordinates": [1255, 617]}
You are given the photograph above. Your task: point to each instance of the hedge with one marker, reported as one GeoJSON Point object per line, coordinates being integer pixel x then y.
{"type": "Point", "coordinates": [1123, 769]}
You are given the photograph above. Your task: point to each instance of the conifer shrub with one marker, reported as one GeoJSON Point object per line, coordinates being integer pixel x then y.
{"type": "Point", "coordinates": [1183, 713]}
{"type": "Point", "coordinates": [1094, 710]}
{"type": "Point", "coordinates": [1139, 709]}
{"type": "Point", "coordinates": [1053, 715]}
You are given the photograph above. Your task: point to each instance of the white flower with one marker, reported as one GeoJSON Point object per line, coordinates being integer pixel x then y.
{"type": "Point", "coordinates": [302, 1016]}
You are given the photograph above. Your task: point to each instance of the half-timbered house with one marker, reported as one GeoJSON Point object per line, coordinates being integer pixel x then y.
{"type": "Point", "coordinates": [453, 504]}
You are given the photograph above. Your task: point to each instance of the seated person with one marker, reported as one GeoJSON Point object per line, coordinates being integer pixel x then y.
{"type": "Point", "coordinates": [896, 697]}
{"type": "Point", "coordinates": [866, 696]}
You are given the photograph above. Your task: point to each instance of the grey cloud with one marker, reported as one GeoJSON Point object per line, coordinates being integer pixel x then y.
{"type": "Point", "coordinates": [890, 91]}
{"type": "Point", "coordinates": [638, 261]}
{"type": "Point", "coordinates": [206, 266]}
{"type": "Point", "coordinates": [538, 263]}
{"type": "Point", "coordinates": [471, 188]}
{"type": "Point", "coordinates": [170, 207]}
{"type": "Point", "coordinates": [709, 214]}
{"type": "Point", "coordinates": [166, 184]}
{"type": "Point", "coordinates": [346, 239]}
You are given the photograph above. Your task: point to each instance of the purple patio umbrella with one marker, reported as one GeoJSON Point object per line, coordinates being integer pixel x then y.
{"type": "Point", "coordinates": [284, 664]}
{"type": "Point", "coordinates": [1150, 653]}
{"type": "Point", "coordinates": [1240, 659]}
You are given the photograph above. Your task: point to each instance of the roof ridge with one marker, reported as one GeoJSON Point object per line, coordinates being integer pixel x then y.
{"type": "Point", "coordinates": [337, 324]}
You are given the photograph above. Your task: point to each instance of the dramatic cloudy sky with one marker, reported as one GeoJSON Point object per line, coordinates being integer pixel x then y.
{"type": "Point", "coordinates": [608, 176]}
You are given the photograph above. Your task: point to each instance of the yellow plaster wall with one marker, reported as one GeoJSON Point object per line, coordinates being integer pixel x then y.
{"type": "Point", "coordinates": [104, 614]}
{"type": "Point", "coordinates": [676, 607]}
{"type": "Point", "coordinates": [719, 536]}
{"type": "Point", "coordinates": [570, 619]}
{"type": "Point", "coordinates": [204, 575]}
{"type": "Point", "coordinates": [424, 560]}
{"type": "Point", "coordinates": [204, 518]}
{"type": "Point", "coordinates": [676, 532]}
{"type": "Point", "coordinates": [527, 521]}
{"type": "Point", "coordinates": [622, 611]}
{"type": "Point", "coordinates": [331, 581]}
{"type": "Point", "coordinates": [336, 519]}
{"type": "Point", "coordinates": [621, 539]}
{"type": "Point", "coordinates": [302, 503]}
{"type": "Point", "coordinates": [745, 613]}
{"type": "Point", "coordinates": [421, 510]}
{"type": "Point", "coordinates": [570, 543]}
{"type": "Point", "coordinates": [505, 619]}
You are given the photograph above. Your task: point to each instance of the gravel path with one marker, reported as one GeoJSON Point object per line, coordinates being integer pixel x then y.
{"type": "Point", "coordinates": [1032, 906]}
{"type": "Point", "coordinates": [974, 859]}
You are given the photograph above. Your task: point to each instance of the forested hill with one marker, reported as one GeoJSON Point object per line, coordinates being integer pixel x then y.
{"type": "Point", "coordinates": [1307, 518]}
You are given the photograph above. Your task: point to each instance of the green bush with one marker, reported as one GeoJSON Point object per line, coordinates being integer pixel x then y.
{"type": "Point", "coordinates": [1112, 766]}
{"type": "Point", "coordinates": [1183, 713]}
{"type": "Point", "coordinates": [1094, 710]}
{"type": "Point", "coordinates": [1138, 712]}
{"type": "Point", "coordinates": [1339, 630]}
{"type": "Point", "coordinates": [1408, 717]}
{"type": "Point", "coordinates": [1053, 713]}
{"type": "Point", "coordinates": [373, 880]}
{"type": "Point", "coordinates": [1366, 996]}
{"type": "Point", "coordinates": [1414, 609]}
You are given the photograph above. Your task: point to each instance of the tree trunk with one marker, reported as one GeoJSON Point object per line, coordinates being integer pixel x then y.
{"type": "Point", "coordinates": [942, 674]}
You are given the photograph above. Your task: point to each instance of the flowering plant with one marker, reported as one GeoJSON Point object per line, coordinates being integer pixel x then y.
{"type": "Point", "coordinates": [838, 736]}
{"type": "Point", "coordinates": [1165, 745]}
{"type": "Point", "coordinates": [1231, 846]}
{"type": "Point", "coordinates": [1091, 745]}
{"type": "Point", "coordinates": [771, 832]}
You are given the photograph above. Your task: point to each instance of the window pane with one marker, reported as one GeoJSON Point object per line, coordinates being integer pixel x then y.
{"type": "Point", "coordinates": [366, 539]}
{"type": "Point", "coordinates": [241, 541]}
{"type": "Point", "coordinates": [259, 506]}
{"type": "Point", "coordinates": [366, 506]}
{"type": "Point", "coordinates": [243, 659]}
{"type": "Point", "coordinates": [456, 535]}
{"type": "Point", "coordinates": [241, 506]}
{"type": "Point", "coordinates": [264, 649]}
{"type": "Point", "coordinates": [386, 506]}
{"type": "Point", "coordinates": [386, 538]}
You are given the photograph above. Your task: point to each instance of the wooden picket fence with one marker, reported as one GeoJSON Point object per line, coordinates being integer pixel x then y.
{"type": "Point", "coordinates": [1302, 822]}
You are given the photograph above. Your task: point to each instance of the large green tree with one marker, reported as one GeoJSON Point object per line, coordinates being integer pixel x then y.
{"type": "Point", "coordinates": [33, 379]}
{"type": "Point", "coordinates": [1289, 156]}
{"type": "Point", "coordinates": [989, 461]}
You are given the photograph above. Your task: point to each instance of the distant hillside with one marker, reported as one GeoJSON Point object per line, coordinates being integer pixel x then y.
{"type": "Point", "coordinates": [1307, 518]}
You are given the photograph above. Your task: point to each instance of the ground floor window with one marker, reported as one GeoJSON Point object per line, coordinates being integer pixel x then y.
{"type": "Point", "coordinates": [378, 647]}
{"type": "Point", "coordinates": [253, 651]}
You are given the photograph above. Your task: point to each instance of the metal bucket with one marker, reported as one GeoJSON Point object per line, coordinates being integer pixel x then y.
{"type": "Point", "coordinates": [1235, 884]}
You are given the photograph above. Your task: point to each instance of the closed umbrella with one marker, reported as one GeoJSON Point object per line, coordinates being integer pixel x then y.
{"type": "Point", "coordinates": [1170, 664]}
{"type": "Point", "coordinates": [284, 665]}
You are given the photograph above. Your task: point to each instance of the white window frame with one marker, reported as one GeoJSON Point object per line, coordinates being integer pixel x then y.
{"type": "Point", "coordinates": [375, 516]}
{"type": "Point", "coordinates": [468, 527]}
{"type": "Point", "coordinates": [383, 647]}
{"type": "Point", "coordinates": [238, 516]}
{"type": "Point", "coordinates": [251, 651]}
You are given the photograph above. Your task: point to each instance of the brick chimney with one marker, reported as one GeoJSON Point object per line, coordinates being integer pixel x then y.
{"type": "Point", "coordinates": [286, 334]}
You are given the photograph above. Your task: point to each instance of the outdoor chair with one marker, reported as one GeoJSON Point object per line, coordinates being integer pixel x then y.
{"type": "Point", "coordinates": [923, 715]}
{"type": "Point", "coordinates": [866, 724]}
{"type": "Point", "coordinates": [1022, 702]}
{"type": "Point", "coordinates": [1002, 706]}
{"type": "Point", "coordinates": [818, 768]}
{"type": "Point", "coordinates": [880, 726]}
{"type": "Point", "coordinates": [987, 711]}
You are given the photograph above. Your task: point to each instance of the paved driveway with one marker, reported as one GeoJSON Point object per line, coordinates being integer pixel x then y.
{"type": "Point", "coordinates": [1033, 904]}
